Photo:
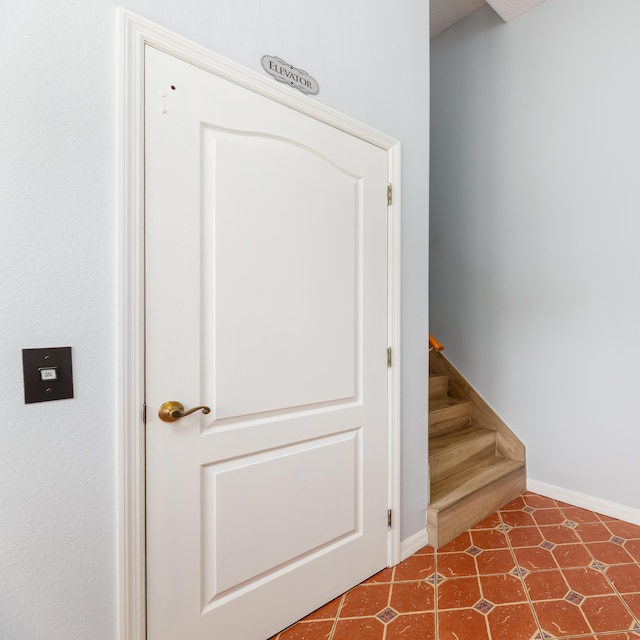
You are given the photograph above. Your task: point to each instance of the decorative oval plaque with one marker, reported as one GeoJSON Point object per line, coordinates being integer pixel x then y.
{"type": "Point", "coordinates": [284, 72]}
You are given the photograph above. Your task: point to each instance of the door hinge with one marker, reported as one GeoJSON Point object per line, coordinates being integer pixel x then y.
{"type": "Point", "coordinates": [144, 413]}
{"type": "Point", "coordinates": [389, 518]}
{"type": "Point", "coordinates": [388, 357]}
{"type": "Point", "coordinates": [389, 194]}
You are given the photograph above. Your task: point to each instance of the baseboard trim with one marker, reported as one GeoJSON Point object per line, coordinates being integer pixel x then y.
{"type": "Point", "coordinates": [606, 508]}
{"type": "Point", "coordinates": [413, 543]}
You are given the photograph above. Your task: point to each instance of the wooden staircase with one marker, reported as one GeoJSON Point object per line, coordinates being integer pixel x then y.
{"type": "Point", "coordinates": [476, 463]}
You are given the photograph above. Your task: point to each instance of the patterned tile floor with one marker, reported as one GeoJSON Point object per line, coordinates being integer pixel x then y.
{"type": "Point", "coordinates": [535, 569]}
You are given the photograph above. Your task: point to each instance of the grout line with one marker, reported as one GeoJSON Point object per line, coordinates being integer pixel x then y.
{"type": "Point", "coordinates": [524, 586]}
{"type": "Point", "coordinates": [562, 569]}
{"type": "Point", "coordinates": [486, 617]}
{"type": "Point", "coordinates": [436, 622]}
{"type": "Point", "coordinates": [475, 562]}
{"type": "Point", "coordinates": [594, 559]}
{"type": "Point", "coordinates": [386, 624]}
{"type": "Point", "coordinates": [337, 616]}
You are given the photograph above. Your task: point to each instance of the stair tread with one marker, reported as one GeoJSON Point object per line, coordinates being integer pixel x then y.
{"type": "Point", "coordinates": [437, 404]}
{"type": "Point", "coordinates": [448, 491]}
{"type": "Point", "coordinates": [456, 438]}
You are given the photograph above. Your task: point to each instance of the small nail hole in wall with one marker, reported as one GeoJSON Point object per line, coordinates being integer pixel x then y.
{"type": "Point", "coordinates": [173, 87]}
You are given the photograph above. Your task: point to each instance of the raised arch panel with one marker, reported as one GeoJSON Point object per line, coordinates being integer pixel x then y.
{"type": "Point", "coordinates": [293, 208]}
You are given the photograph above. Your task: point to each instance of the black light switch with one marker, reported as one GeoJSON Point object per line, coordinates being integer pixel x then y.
{"type": "Point", "coordinates": [47, 374]}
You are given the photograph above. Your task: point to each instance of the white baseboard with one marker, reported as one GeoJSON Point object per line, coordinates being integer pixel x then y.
{"type": "Point", "coordinates": [606, 508]}
{"type": "Point", "coordinates": [414, 543]}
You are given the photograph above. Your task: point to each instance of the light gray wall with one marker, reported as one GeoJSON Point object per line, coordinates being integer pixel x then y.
{"type": "Point", "coordinates": [59, 258]}
{"type": "Point", "coordinates": [535, 237]}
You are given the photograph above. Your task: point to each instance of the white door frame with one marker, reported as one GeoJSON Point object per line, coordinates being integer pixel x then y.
{"type": "Point", "coordinates": [136, 32]}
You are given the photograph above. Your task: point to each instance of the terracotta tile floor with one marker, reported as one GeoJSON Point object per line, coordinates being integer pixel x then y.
{"type": "Point", "coordinates": [535, 569]}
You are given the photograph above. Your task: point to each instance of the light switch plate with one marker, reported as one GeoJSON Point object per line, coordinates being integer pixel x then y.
{"type": "Point", "coordinates": [37, 389]}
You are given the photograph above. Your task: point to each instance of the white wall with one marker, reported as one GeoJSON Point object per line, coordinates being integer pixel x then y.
{"type": "Point", "coordinates": [535, 237]}
{"type": "Point", "coordinates": [59, 251]}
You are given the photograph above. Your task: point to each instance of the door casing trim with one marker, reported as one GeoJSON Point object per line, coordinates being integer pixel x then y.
{"type": "Point", "coordinates": [135, 32]}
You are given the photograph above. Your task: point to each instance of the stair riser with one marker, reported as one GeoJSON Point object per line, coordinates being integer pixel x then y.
{"type": "Point", "coordinates": [449, 418]}
{"type": "Point", "coordinates": [444, 525]}
{"type": "Point", "coordinates": [446, 463]}
{"type": "Point", "coordinates": [438, 386]}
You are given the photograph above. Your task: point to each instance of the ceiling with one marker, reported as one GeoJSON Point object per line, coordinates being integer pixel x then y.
{"type": "Point", "coordinates": [445, 13]}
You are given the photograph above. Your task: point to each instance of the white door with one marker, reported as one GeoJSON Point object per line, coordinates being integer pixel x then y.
{"type": "Point", "coordinates": [266, 300]}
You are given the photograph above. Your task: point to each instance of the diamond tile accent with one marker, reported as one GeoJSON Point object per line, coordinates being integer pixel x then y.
{"type": "Point", "coordinates": [519, 572]}
{"type": "Point", "coordinates": [545, 544]}
{"type": "Point", "coordinates": [483, 606]}
{"type": "Point", "coordinates": [570, 523]}
{"type": "Point", "coordinates": [598, 566]}
{"type": "Point", "coordinates": [387, 615]}
{"type": "Point", "coordinates": [617, 540]}
{"type": "Point", "coordinates": [473, 551]}
{"type": "Point", "coordinates": [504, 528]}
{"type": "Point", "coordinates": [574, 598]}
{"type": "Point", "coordinates": [435, 578]}
{"type": "Point", "coordinates": [528, 509]}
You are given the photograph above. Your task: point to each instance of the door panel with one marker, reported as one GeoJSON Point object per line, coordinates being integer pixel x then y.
{"type": "Point", "coordinates": [266, 275]}
{"type": "Point", "coordinates": [275, 360]}
{"type": "Point", "coordinates": [242, 497]}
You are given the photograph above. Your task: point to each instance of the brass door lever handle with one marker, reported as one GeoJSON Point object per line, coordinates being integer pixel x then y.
{"type": "Point", "coordinates": [172, 411]}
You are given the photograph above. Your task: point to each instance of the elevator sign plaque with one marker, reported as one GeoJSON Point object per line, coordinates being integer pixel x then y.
{"type": "Point", "coordinates": [284, 72]}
